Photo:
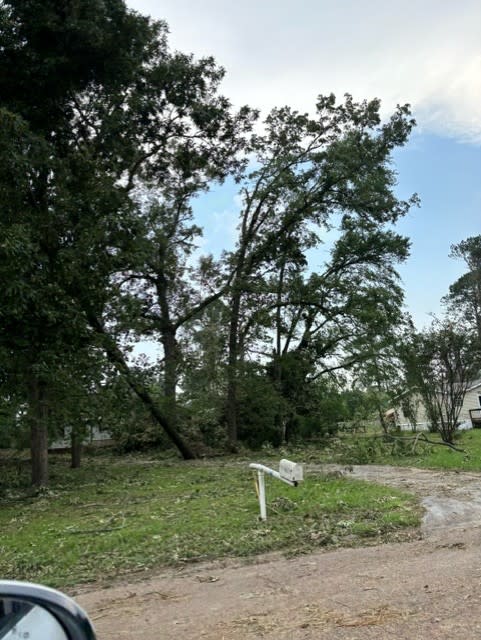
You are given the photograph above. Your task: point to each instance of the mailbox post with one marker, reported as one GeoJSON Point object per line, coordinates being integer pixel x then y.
{"type": "Point", "coordinates": [289, 472]}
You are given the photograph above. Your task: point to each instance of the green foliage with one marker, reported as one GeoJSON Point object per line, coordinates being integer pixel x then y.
{"type": "Point", "coordinates": [464, 297]}
{"type": "Point", "coordinates": [322, 414]}
{"type": "Point", "coordinates": [331, 410]}
{"type": "Point", "coordinates": [440, 363]}
{"type": "Point", "coordinates": [312, 173]}
{"type": "Point", "coordinates": [259, 408]}
{"type": "Point", "coordinates": [93, 104]}
{"type": "Point", "coordinates": [377, 449]}
{"type": "Point", "coordinates": [120, 412]}
{"type": "Point", "coordinates": [403, 450]}
{"type": "Point", "coordinates": [362, 405]}
{"type": "Point", "coordinates": [203, 373]}
{"type": "Point", "coordinates": [106, 139]}
{"type": "Point", "coordinates": [11, 432]}
{"type": "Point", "coordinates": [116, 517]}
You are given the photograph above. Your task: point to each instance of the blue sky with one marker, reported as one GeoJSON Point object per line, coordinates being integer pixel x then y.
{"type": "Point", "coordinates": [426, 53]}
{"type": "Point", "coordinates": [446, 175]}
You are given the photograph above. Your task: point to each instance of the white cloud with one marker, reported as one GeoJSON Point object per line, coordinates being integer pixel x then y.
{"type": "Point", "coordinates": [426, 52]}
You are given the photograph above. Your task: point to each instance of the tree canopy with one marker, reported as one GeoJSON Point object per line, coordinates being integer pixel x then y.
{"type": "Point", "coordinates": [464, 297]}
{"type": "Point", "coordinates": [107, 137]}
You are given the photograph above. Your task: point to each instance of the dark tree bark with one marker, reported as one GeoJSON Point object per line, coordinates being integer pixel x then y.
{"type": "Point", "coordinates": [38, 408]}
{"type": "Point", "coordinates": [237, 290]}
{"type": "Point", "coordinates": [171, 367]}
{"type": "Point", "coordinates": [75, 450]}
{"type": "Point", "coordinates": [280, 418]}
{"type": "Point", "coordinates": [232, 373]}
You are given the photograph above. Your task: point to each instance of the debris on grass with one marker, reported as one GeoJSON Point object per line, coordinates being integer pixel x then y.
{"type": "Point", "coordinates": [114, 517]}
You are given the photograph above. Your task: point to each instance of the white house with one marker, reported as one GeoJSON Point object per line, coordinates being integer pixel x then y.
{"type": "Point", "coordinates": [95, 437]}
{"type": "Point", "coordinates": [471, 409]}
{"type": "Point", "coordinates": [469, 416]}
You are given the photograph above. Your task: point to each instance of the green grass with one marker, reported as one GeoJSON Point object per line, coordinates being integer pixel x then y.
{"type": "Point", "coordinates": [118, 516]}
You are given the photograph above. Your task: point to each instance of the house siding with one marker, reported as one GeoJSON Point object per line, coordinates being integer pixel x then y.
{"type": "Point", "coordinates": [422, 417]}
{"type": "Point", "coordinates": [471, 401]}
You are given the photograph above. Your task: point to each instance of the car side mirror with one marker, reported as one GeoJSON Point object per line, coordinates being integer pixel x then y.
{"type": "Point", "coordinates": [33, 612]}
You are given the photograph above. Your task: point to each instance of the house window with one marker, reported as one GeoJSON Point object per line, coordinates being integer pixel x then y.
{"type": "Point", "coordinates": [479, 400]}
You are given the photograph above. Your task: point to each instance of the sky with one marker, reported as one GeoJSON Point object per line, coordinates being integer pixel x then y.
{"type": "Point", "coordinates": [424, 52]}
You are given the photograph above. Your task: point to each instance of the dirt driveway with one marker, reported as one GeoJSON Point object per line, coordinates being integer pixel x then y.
{"type": "Point", "coordinates": [429, 588]}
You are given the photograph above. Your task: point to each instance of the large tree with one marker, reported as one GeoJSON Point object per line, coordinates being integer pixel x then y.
{"type": "Point", "coordinates": [94, 104]}
{"type": "Point", "coordinates": [310, 173]}
{"type": "Point", "coordinates": [108, 136]}
{"type": "Point", "coordinates": [40, 330]}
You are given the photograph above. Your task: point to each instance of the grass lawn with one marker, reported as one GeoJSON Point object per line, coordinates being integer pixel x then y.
{"type": "Point", "coordinates": [125, 515]}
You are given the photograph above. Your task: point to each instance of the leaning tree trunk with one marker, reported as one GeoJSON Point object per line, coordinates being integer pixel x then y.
{"type": "Point", "coordinates": [116, 357]}
{"type": "Point", "coordinates": [38, 414]}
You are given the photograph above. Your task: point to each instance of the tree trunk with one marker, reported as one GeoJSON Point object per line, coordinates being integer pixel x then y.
{"type": "Point", "coordinates": [171, 363]}
{"type": "Point", "coordinates": [382, 420]}
{"type": "Point", "coordinates": [477, 308]}
{"type": "Point", "coordinates": [38, 410]}
{"type": "Point", "coordinates": [279, 419]}
{"type": "Point", "coordinates": [115, 356]}
{"type": "Point", "coordinates": [232, 373]}
{"type": "Point", "coordinates": [75, 449]}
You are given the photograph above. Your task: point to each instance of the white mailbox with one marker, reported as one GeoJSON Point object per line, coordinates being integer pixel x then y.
{"type": "Point", "coordinates": [291, 471]}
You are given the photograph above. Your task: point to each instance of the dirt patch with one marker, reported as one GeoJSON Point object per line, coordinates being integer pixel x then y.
{"type": "Point", "coordinates": [429, 588]}
{"type": "Point", "coordinates": [451, 499]}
